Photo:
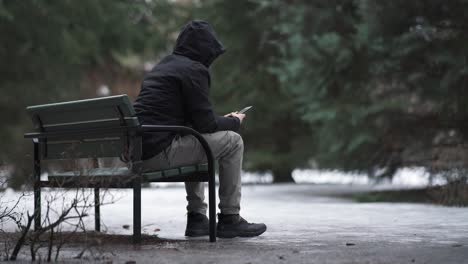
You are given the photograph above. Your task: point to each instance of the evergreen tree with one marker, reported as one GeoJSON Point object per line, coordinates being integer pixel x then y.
{"type": "Point", "coordinates": [46, 47]}
{"type": "Point", "coordinates": [324, 65]}
{"type": "Point", "coordinates": [275, 136]}
{"type": "Point", "coordinates": [382, 83]}
{"type": "Point", "coordinates": [419, 54]}
{"type": "Point", "coordinates": [356, 85]}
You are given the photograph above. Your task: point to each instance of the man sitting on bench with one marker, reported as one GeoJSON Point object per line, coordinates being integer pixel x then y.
{"type": "Point", "coordinates": [175, 92]}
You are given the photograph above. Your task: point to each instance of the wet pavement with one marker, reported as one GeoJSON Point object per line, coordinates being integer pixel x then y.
{"type": "Point", "coordinates": [305, 225]}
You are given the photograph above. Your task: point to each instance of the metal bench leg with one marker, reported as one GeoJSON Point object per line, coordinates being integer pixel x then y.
{"type": "Point", "coordinates": [37, 187]}
{"type": "Point", "coordinates": [136, 211]}
{"type": "Point", "coordinates": [212, 209]}
{"type": "Point", "coordinates": [37, 206]}
{"type": "Point", "coordinates": [97, 210]}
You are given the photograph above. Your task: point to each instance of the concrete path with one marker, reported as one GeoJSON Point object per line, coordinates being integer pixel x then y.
{"type": "Point", "coordinates": [305, 225]}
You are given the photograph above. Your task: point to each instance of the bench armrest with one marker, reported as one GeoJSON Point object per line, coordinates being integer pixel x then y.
{"type": "Point", "coordinates": [187, 130]}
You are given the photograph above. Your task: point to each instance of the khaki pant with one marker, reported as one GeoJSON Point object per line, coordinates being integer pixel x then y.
{"type": "Point", "coordinates": [227, 148]}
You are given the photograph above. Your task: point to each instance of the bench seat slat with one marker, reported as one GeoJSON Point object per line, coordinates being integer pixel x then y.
{"type": "Point", "coordinates": [110, 177]}
{"type": "Point", "coordinates": [98, 172]}
{"type": "Point", "coordinates": [89, 182]}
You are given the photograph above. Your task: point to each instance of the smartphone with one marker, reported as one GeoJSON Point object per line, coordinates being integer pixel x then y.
{"type": "Point", "coordinates": [244, 110]}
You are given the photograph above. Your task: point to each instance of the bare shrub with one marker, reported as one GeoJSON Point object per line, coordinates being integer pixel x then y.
{"type": "Point", "coordinates": [455, 192]}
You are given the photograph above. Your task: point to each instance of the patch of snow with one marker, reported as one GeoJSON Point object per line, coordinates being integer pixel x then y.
{"type": "Point", "coordinates": [406, 177]}
{"type": "Point", "coordinates": [254, 177]}
{"type": "Point", "coordinates": [329, 177]}
{"type": "Point", "coordinates": [409, 177]}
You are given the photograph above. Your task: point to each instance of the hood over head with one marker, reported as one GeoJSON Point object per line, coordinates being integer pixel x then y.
{"type": "Point", "coordinates": [197, 41]}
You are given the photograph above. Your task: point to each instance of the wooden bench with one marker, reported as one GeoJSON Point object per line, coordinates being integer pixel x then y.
{"type": "Point", "coordinates": [101, 128]}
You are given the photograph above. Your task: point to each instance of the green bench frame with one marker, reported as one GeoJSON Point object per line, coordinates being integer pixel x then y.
{"type": "Point", "coordinates": [107, 127]}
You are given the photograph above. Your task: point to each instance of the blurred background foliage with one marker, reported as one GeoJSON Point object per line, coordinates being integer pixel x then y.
{"type": "Point", "coordinates": [366, 86]}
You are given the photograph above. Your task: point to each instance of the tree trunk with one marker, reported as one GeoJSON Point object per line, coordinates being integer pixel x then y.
{"type": "Point", "coordinates": [282, 167]}
{"type": "Point", "coordinates": [282, 175]}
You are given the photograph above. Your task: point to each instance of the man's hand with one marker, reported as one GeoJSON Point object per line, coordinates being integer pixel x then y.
{"type": "Point", "coordinates": [240, 116]}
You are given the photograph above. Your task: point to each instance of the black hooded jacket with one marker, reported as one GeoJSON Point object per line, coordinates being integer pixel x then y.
{"type": "Point", "coordinates": [175, 91]}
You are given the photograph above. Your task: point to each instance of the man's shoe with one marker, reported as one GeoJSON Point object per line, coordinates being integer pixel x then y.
{"type": "Point", "coordinates": [230, 226]}
{"type": "Point", "coordinates": [197, 225]}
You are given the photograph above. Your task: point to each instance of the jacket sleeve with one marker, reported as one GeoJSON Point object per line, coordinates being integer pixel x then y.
{"type": "Point", "coordinates": [196, 97]}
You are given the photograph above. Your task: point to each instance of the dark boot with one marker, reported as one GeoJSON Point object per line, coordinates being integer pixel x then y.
{"type": "Point", "coordinates": [197, 225]}
{"type": "Point", "coordinates": [235, 226]}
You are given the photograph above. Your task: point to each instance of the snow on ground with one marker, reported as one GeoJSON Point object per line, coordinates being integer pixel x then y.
{"type": "Point", "coordinates": [404, 178]}
{"type": "Point", "coordinates": [119, 211]}
{"type": "Point", "coordinates": [288, 208]}
{"type": "Point", "coordinates": [305, 224]}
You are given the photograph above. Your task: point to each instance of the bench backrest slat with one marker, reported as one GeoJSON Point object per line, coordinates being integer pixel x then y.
{"type": "Point", "coordinates": [83, 114]}
{"type": "Point", "coordinates": [74, 149]}
{"type": "Point", "coordinates": [114, 113]}
{"type": "Point", "coordinates": [92, 124]}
